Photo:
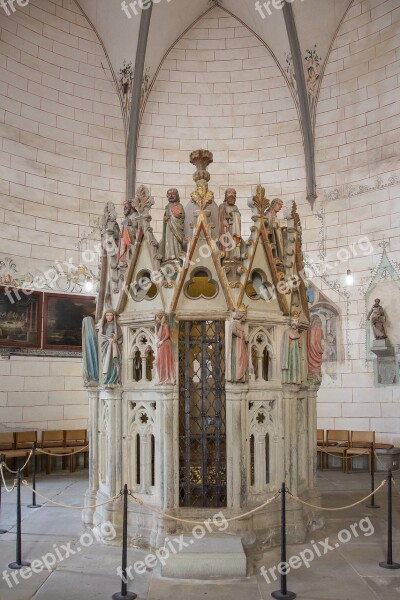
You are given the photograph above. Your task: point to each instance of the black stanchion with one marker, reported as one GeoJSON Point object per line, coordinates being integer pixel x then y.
{"type": "Point", "coordinates": [34, 505]}
{"type": "Point", "coordinates": [372, 503]}
{"type": "Point", "coordinates": [18, 564]}
{"type": "Point", "coordinates": [389, 564]}
{"type": "Point", "coordinates": [1, 485]}
{"type": "Point", "coordinates": [283, 593]}
{"type": "Point", "coordinates": [124, 594]}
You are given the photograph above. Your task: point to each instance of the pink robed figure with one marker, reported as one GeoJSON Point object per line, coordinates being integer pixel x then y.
{"type": "Point", "coordinates": [315, 347]}
{"type": "Point", "coordinates": [237, 350]}
{"type": "Point", "coordinates": [165, 362]}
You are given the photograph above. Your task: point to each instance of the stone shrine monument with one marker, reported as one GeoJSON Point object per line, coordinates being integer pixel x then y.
{"type": "Point", "coordinates": [204, 402]}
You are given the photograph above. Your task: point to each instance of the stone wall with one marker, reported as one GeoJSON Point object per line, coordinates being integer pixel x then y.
{"type": "Point", "coordinates": [62, 156]}
{"type": "Point", "coordinates": [358, 177]}
{"type": "Point", "coordinates": [221, 89]}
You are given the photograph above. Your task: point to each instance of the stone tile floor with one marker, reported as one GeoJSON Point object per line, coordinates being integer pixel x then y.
{"type": "Point", "coordinates": [349, 571]}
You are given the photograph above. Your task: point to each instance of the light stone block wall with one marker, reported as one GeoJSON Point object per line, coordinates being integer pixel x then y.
{"type": "Point", "coordinates": [42, 393]}
{"type": "Point", "coordinates": [62, 157]}
{"type": "Point", "coordinates": [219, 88]}
{"type": "Point", "coordinates": [357, 144]}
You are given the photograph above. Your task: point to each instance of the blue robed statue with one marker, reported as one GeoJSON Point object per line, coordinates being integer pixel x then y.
{"type": "Point", "coordinates": [90, 357]}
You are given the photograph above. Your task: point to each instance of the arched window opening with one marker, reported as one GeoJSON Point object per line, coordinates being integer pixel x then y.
{"type": "Point", "coordinates": [252, 457]}
{"type": "Point", "coordinates": [137, 459]}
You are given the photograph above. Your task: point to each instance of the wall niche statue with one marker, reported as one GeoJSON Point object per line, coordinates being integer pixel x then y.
{"type": "Point", "coordinates": [110, 337]}
{"type": "Point", "coordinates": [377, 317]}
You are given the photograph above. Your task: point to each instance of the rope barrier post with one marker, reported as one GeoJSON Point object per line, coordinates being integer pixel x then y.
{"type": "Point", "coordinates": [124, 594]}
{"type": "Point", "coordinates": [34, 505]}
{"type": "Point", "coordinates": [18, 564]}
{"type": "Point", "coordinates": [372, 503]}
{"type": "Point", "coordinates": [283, 593]}
{"type": "Point", "coordinates": [389, 564]}
{"type": "Point", "coordinates": [1, 485]}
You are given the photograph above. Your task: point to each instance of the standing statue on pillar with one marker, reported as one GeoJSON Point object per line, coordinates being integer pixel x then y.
{"type": "Point", "coordinates": [90, 357]}
{"type": "Point", "coordinates": [174, 227]}
{"type": "Point", "coordinates": [230, 226]}
{"type": "Point", "coordinates": [377, 317]}
{"type": "Point", "coordinates": [315, 349]}
{"type": "Point", "coordinates": [165, 362]}
{"type": "Point", "coordinates": [110, 337]}
{"type": "Point", "coordinates": [291, 353]}
{"type": "Point", "coordinates": [237, 353]}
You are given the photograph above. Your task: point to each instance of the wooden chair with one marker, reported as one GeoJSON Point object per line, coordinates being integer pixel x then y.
{"type": "Point", "coordinates": [6, 441]}
{"type": "Point", "coordinates": [75, 438]}
{"type": "Point", "coordinates": [337, 443]}
{"type": "Point", "coordinates": [320, 447]}
{"type": "Point", "coordinates": [361, 443]}
{"type": "Point", "coordinates": [23, 441]}
{"type": "Point", "coordinates": [52, 441]}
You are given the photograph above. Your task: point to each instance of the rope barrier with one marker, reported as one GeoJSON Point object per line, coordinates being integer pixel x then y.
{"type": "Point", "coordinates": [25, 483]}
{"type": "Point", "coordinates": [60, 454]}
{"type": "Point", "coordinates": [4, 481]}
{"type": "Point", "coordinates": [383, 465]}
{"type": "Point", "coordinates": [22, 468]}
{"type": "Point", "coordinates": [339, 455]}
{"type": "Point", "coordinates": [191, 522]}
{"type": "Point", "coordinates": [395, 484]}
{"type": "Point", "coordinates": [341, 507]}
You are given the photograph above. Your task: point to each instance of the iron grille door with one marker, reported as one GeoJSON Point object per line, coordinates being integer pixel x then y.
{"type": "Point", "coordinates": [202, 414]}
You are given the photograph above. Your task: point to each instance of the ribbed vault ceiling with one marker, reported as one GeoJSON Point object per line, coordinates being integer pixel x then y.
{"type": "Point", "coordinates": [316, 22]}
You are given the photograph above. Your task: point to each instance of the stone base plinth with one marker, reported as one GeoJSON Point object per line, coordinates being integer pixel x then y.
{"type": "Point", "coordinates": [382, 348]}
{"type": "Point", "coordinates": [213, 556]}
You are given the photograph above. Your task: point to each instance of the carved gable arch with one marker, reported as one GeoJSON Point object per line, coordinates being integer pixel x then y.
{"type": "Point", "coordinates": [202, 284]}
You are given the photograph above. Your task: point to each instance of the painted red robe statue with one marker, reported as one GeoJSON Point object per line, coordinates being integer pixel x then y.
{"type": "Point", "coordinates": [315, 347]}
{"type": "Point", "coordinates": [165, 362]}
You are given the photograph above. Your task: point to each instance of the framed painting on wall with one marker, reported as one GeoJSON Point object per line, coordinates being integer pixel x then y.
{"type": "Point", "coordinates": [20, 318]}
{"type": "Point", "coordinates": [62, 323]}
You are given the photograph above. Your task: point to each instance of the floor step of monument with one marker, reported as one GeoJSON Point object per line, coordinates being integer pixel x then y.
{"type": "Point", "coordinates": [212, 557]}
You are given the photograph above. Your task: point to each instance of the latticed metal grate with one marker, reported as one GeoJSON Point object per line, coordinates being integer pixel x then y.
{"type": "Point", "coordinates": [202, 427]}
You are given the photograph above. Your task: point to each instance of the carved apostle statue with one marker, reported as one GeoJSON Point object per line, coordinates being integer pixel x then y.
{"type": "Point", "coordinates": [90, 357]}
{"type": "Point", "coordinates": [110, 338]}
{"type": "Point", "coordinates": [377, 317]}
{"type": "Point", "coordinates": [165, 362]}
{"type": "Point", "coordinates": [236, 350]}
{"type": "Point", "coordinates": [315, 348]}
{"type": "Point", "coordinates": [230, 226]}
{"type": "Point", "coordinates": [174, 226]}
{"type": "Point", "coordinates": [129, 227]}
{"type": "Point", "coordinates": [291, 354]}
